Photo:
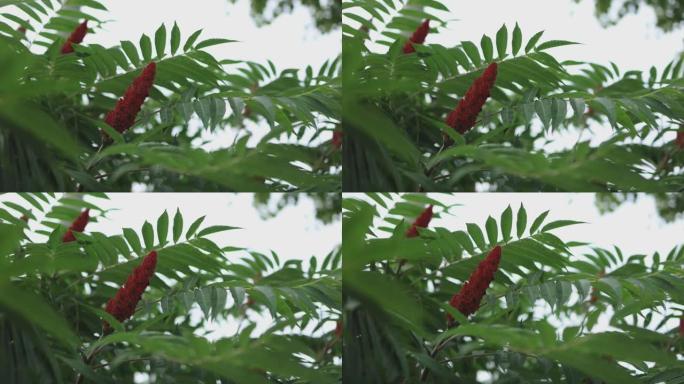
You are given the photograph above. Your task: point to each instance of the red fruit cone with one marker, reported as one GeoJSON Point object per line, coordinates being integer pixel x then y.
{"type": "Point", "coordinates": [418, 37]}
{"type": "Point", "coordinates": [338, 329]}
{"type": "Point", "coordinates": [680, 140]}
{"type": "Point", "coordinates": [76, 37]}
{"type": "Point", "coordinates": [468, 299]}
{"type": "Point", "coordinates": [124, 113]}
{"type": "Point", "coordinates": [337, 140]}
{"type": "Point", "coordinates": [122, 305]}
{"type": "Point", "coordinates": [78, 225]}
{"type": "Point", "coordinates": [463, 117]}
{"type": "Point", "coordinates": [421, 221]}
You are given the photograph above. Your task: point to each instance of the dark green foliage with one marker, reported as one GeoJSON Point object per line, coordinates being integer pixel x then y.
{"type": "Point", "coordinates": [52, 299]}
{"type": "Point", "coordinates": [394, 108]}
{"type": "Point", "coordinates": [537, 322]}
{"type": "Point", "coordinates": [53, 107]}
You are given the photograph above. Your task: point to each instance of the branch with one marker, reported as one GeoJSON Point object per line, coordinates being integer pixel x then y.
{"type": "Point", "coordinates": [86, 360]}
{"type": "Point", "coordinates": [435, 350]}
{"type": "Point", "coordinates": [125, 361]}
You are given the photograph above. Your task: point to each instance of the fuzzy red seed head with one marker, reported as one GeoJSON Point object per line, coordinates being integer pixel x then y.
{"type": "Point", "coordinates": [76, 37]}
{"type": "Point", "coordinates": [68, 236]}
{"type": "Point", "coordinates": [594, 293]}
{"type": "Point", "coordinates": [418, 37]}
{"type": "Point", "coordinates": [594, 296]}
{"type": "Point", "coordinates": [680, 140]}
{"type": "Point", "coordinates": [122, 305]}
{"type": "Point", "coordinates": [127, 108]}
{"type": "Point", "coordinates": [146, 78]}
{"type": "Point", "coordinates": [247, 112]}
{"type": "Point", "coordinates": [337, 140]}
{"type": "Point", "coordinates": [81, 221]}
{"type": "Point", "coordinates": [468, 299]}
{"type": "Point", "coordinates": [421, 221]}
{"type": "Point", "coordinates": [338, 329]}
{"type": "Point", "coordinates": [464, 116]}
{"type": "Point", "coordinates": [78, 225]}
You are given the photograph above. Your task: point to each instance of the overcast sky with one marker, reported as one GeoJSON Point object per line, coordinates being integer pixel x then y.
{"type": "Point", "coordinates": [291, 41]}
{"type": "Point", "coordinates": [633, 44]}
{"type": "Point", "coordinates": [293, 234]}
{"type": "Point", "coordinates": [635, 227]}
{"type": "Point", "coordinates": [627, 227]}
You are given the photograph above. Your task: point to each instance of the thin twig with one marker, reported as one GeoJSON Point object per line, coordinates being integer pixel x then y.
{"type": "Point", "coordinates": [106, 175]}
{"type": "Point", "coordinates": [125, 361]}
{"type": "Point", "coordinates": [435, 350]}
{"type": "Point", "coordinates": [81, 187]}
{"type": "Point", "coordinates": [401, 264]}
{"type": "Point", "coordinates": [328, 345]}
{"type": "Point", "coordinates": [86, 360]}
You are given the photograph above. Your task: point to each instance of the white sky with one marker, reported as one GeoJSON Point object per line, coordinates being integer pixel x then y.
{"type": "Point", "coordinates": [627, 227]}
{"type": "Point", "coordinates": [293, 234]}
{"type": "Point", "coordinates": [291, 41]}
{"type": "Point", "coordinates": [633, 44]}
{"type": "Point", "coordinates": [635, 227]}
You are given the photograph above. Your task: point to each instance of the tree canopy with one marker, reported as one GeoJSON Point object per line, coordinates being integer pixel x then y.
{"type": "Point", "coordinates": [54, 297]}
{"type": "Point", "coordinates": [557, 310]}
{"type": "Point", "coordinates": [56, 114]}
{"type": "Point", "coordinates": [398, 107]}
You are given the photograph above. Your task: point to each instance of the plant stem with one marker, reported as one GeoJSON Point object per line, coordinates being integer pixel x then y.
{"type": "Point", "coordinates": [401, 264]}
{"type": "Point", "coordinates": [81, 187]}
{"type": "Point", "coordinates": [87, 359]}
{"type": "Point", "coordinates": [435, 350]}
{"type": "Point", "coordinates": [125, 361]}
{"type": "Point", "coordinates": [327, 347]}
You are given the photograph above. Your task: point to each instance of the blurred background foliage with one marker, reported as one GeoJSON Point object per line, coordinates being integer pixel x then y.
{"type": "Point", "coordinates": [327, 205]}
{"type": "Point", "coordinates": [669, 13]}
{"type": "Point", "coordinates": [326, 14]}
{"type": "Point", "coordinates": [670, 206]}
{"type": "Point", "coordinates": [559, 310]}
{"type": "Point", "coordinates": [52, 296]}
